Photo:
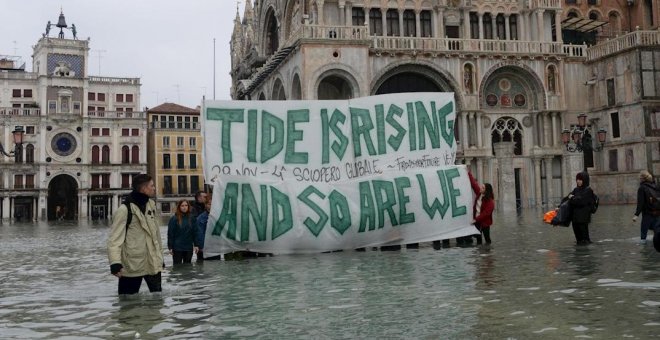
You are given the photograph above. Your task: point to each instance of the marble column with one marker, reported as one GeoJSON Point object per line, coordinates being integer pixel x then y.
{"type": "Point", "coordinates": [478, 130]}
{"type": "Point", "coordinates": [472, 129]}
{"type": "Point", "coordinates": [537, 134]}
{"type": "Point", "coordinates": [465, 137]}
{"type": "Point", "coordinates": [366, 20]}
{"type": "Point", "coordinates": [481, 25]}
{"type": "Point", "coordinates": [319, 6]}
{"type": "Point", "coordinates": [401, 33]}
{"type": "Point", "coordinates": [558, 25]}
{"type": "Point", "coordinates": [480, 170]}
{"type": "Point", "coordinates": [439, 23]}
{"type": "Point", "coordinates": [42, 206]}
{"type": "Point", "coordinates": [466, 24]}
{"type": "Point", "coordinates": [507, 29]}
{"type": "Point", "coordinates": [506, 195]}
{"type": "Point", "coordinates": [549, 181]}
{"type": "Point", "coordinates": [555, 132]}
{"type": "Point", "coordinates": [5, 208]}
{"type": "Point", "coordinates": [537, 182]}
{"type": "Point", "coordinates": [418, 28]}
{"type": "Point", "coordinates": [539, 21]}
{"type": "Point", "coordinates": [572, 164]}
{"type": "Point", "coordinates": [383, 13]}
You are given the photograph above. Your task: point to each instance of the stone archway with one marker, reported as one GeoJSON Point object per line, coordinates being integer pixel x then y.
{"type": "Point", "coordinates": [62, 198]}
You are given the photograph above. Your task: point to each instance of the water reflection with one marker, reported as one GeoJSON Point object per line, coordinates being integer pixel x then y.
{"type": "Point", "coordinates": [532, 282]}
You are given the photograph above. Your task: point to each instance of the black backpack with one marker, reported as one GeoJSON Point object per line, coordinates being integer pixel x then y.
{"type": "Point", "coordinates": [129, 216]}
{"type": "Point", "coordinates": [653, 200]}
{"type": "Point", "coordinates": [594, 206]}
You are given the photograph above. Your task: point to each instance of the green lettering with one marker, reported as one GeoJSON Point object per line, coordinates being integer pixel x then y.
{"type": "Point", "coordinates": [380, 129]}
{"type": "Point", "coordinates": [428, 125]}
{"type": "Point", "coordinates": [228, 213]}
{"type": "Point", "coordinates": [280, 206]}
{"type": "Point", "coordinates": [361, 125]}
{"type": "Point", "coordinates": [272, 136]}
{"type": "Point", "coordinates": [226, 116]}
{"type": "Point", "coordinates": [249, 208]}
{"type": "Point", "coordinates": [401, 184]}
{"type": "Point", "coordinates": [340, 215]}
{"type": "Point", "coordinates": [395, 141]}
{"type": "Point", "coordinates": [293, 135]}
{"type": "Point", "coordinates": [314, 227]}
{"type": "Point", "coordinates": [412, 130]}
{"type": "Point", "coordinates": [451, 174]}
{"type": "Point", "coordinates": [252, 135]}
{"type": "Point", "coordinates": [367, 208]}
{"type": "Point", "coordinates": [446, 127]}
{"type": "Point", "coordinates": [436, 206]}
{"type": "Point", "coordinates": [384, 203]}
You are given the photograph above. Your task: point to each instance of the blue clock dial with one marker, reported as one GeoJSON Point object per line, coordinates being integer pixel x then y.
{"type": "Point", "coordinates": [63, 144]}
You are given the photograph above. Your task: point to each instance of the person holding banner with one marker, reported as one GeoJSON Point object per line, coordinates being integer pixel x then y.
{"type": "Point", "coordinates": [181, 234]}
{"type": "Point", "coordinates": [483, 207]}
{"type": "Point", "coordinates": [200, 234]}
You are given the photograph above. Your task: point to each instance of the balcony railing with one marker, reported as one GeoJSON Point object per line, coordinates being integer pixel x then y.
{"type": "Point", "coordinates": [115, 81]}
{"type": "Point", "coordinates": [335, 32]}
{"type": "Point", "coordinates": [116, 114]}
{"type": "Point", "coordinates": [4, 74]}
{"type": "Point", "coordinates": [622, 43]}
{"type": "Point", "coordinates": [18, 111]}
{"type": "Point", "coordinates": [442, 45]}
{"type": "Point", "coordinates": [545, 4]}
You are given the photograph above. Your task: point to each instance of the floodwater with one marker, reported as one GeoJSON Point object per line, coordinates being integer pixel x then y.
{"type": "Point", "coordinates": [532, 283]}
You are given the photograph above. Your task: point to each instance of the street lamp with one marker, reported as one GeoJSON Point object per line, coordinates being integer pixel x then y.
{"type": "Point", "coordinates": [579, 139]}
{"type": "Point", "coordinates": [18, 141]}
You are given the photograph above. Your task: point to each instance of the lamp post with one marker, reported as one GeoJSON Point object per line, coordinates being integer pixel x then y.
{"type": "Point", "coordinates": [18, 147]}
{"type": "Point", "coordinates": [630, 4]}
{"type": "Point", "coordinates": [579, 138]}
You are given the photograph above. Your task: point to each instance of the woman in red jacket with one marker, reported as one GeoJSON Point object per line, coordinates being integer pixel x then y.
{"type": "Point", "coordinates": [483, 207]}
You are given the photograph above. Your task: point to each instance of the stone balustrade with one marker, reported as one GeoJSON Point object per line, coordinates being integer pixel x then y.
{"type": "Point", "coordinates": [17, 75]}
{"type": "Point", "coordinates": [442, 45]}
{"type": "Point", "coordinates": [335, 32]}
{"type": "Point", "coordinates": [622, 43]}
{"type": "Point", "coordinates": [19, 111]}
{"type": "Point", "coordinates": [116, 114]}
{"type": "Point", "coordinates": [545, 4]}
{"type": "Point", "coordinates": [114, 81]}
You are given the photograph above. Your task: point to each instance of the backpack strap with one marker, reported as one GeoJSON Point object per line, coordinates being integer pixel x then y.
{"type": "Point", "coordinates": [129, 216]}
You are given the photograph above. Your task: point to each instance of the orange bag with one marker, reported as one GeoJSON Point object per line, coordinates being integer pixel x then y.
{"type": "Point", "coordinates": [547, 217]}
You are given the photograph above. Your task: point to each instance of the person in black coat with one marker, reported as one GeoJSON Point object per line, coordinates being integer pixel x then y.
{"type": "Point", "coordinates": [650, 218]}
{"type": "Point", "coordinates": [581, 200]}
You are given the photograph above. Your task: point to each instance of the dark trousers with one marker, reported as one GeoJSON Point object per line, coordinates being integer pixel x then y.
{"type": "Point", "coordinates": [581, 231]}
{"type": "Point", "coordinates": [200, 256]}
{"type": "Point", "coordinates": [131, 285]}
{"type": "Point", "coordinates": [179, 257]}
{"type": "Point", "coordinates": [649, 222]}
{"type": "Point", "coordinates": [485, 232]}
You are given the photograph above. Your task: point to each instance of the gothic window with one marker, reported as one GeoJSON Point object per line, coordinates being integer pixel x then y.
{"type": "Point", "coordinates": [508, 129]}
{"type": "Point", "coordinates": [409, 23]}
{"type": "Point", "coordinates": [272, 38]}
{"type": "Point", "coordinates": [392, 18]}
{"type": "Point", "coordinates": [488, 26]}
{"type": "Point", "coordinates": [594, 15]}
{"type": "Point", "coordinates": [29, 153]}
{"type": "Point", "coordinates": [105, 154]}
{"type": "Point", "coordinates": [125, 154]}
{"type": "Point", "coordinates": [278, 91]}
{"type": "Point", "coordinates": [499, 22]}
{"type": "Point", "coordinates": [95, 154]}
{"type": "Point", "coordinates": [375, 21]}
{"type": "Point", "coordinates": [474, 25]}
{"type": "Point", "coordinates": [425, 23]}
{"type": "Point", "coordinates": [358, 16]}
{"type": "Point", "coordinates": [135, 155]}
{"type": "Point", "coordinates": [513, 27]}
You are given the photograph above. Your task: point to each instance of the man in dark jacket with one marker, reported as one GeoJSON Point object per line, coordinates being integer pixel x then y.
{"type": "Point", "coordinates": [581, 200]}
{"type": "Point", "coordinates": [198, 207]}
{"type": "Point", "coordinates": [650, 219]}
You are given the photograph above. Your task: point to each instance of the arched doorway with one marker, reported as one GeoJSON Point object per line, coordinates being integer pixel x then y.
{"type": "Point", "coordinates": [334, 88]}
{"type": "Point", "coordinates": [408, 82]}
{"type": "Point", "coordinates": [278, 91]}
{"type": "Point", "coordinates": [62, 198]}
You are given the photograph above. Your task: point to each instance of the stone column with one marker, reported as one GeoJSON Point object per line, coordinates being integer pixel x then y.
{"type": "Point", "coordinates": [366, 20]}
{"type": "Point", "coordinates": [465, 138]}
{"type": "Point", "coordinates": [42, 205]}
{"type": "Point", "coordinates": [539, 22]}
{"type": "Point", "coordinates": [5, 208]}
{"type": "Point", "coordinates": [319, 6]}
{"type": "Point", "coordinates": [439, 23]}
{"type": "Point", "coordinates": [418, 29]}
{"type": "Point", "coordinates": [472, 129]}
{"type": "Point", "coordinates": [383, 14]}
{"type": "Point", "coordinates": [522, 27]}
{"type": "Point", "coordinates": [480, 170]}
{"type": "Point", "coordinates": [537, 182]}
{"type": "Point", "coordinates": [537, 137]}
{"type": "Point", "coordinates": [466, 24]}
{"type": "Point", "coordinates": [113, 204]}
{"type": "Point", "coordinates": [481, 25]}
{"type": "Point", "coordinates": [401, 23]}
{"type": "Point", "coordinates": [555, 132]}
{"type": "Point", "coordinates": [342, 14]}
{"type": "Point", "coordinates": [572, 164]}
{"type": "Point", "coordinates": [507, 30]}
{"type": "Point", "coordinates": [548, 179]}
{"type": "Point", "coordinates": [478, 130]}
{"type": "Point", "coordinates": [558, 25]}
{"type": "Point", "coordinates": [493, 25]}
{"type": "Point", "coordinates": [506, 195]}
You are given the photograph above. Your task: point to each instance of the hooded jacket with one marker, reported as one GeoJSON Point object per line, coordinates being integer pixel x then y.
{"type": "Point", "coordinates": [582, 200]}
{"type": "Point", "coordinates": [137, 248]}
{"type": "Point", "coordinates": [642, 197]}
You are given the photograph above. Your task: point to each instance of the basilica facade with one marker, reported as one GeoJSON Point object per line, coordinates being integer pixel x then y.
{"type": "Point", "coordinates": [521, 72]}
{"type": "Point", "coordinates": [84, 136]}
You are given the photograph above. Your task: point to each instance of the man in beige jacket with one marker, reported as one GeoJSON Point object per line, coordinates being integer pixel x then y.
{"type": "Point", "coordinates": [135, 249]}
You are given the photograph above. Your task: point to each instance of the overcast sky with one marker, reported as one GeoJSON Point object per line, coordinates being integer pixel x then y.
{"type": "Point", "coordinates": [166, 43]}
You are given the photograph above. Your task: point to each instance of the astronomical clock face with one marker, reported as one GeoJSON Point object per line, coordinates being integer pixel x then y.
{"type": "Point", "coordinates": [63, 144]}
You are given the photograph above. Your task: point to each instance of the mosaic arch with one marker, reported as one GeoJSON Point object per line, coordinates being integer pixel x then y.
{"type": "Point", "coordinates": [415, 77]}
{"type": "Point", "coordinates": [511, 87]}
{"type": "Point", "coordinates": [507, 129]}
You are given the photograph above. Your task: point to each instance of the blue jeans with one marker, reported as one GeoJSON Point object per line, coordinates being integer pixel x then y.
{"type": "Point", "coordinates": [649, 222]}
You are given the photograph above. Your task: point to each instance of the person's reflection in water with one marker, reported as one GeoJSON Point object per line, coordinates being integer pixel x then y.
{"type": "Point", "coordinates": [583, 261]}
{"type": "Point", "coordinates": [138, 316]}
{"type": "Point", "coordinates": [486, 267]}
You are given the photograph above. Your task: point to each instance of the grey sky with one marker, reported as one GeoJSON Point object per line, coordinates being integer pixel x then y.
{"type": "Point", "coordinates": [164, 42]}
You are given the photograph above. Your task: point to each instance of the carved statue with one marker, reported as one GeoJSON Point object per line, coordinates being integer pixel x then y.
{"type": "Point", "coordinates": [75, 33]}
{"type": "Point", "coordinates": [63, 70]}
{"type": "Point", "coordinates": [467, 78]}
{"type": "Point", "coordinates": [48, 27]}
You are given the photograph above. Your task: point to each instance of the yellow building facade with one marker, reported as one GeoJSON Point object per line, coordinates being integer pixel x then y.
{"type": "Point", "coordinates": [174, 146]}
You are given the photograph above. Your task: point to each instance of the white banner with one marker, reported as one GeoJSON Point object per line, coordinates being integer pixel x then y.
{"type": "Point", "coordinates": [312, 176]}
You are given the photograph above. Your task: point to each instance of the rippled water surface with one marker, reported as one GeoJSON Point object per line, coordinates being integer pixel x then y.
{"type": "Point", "coordinates": [532, 283]}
